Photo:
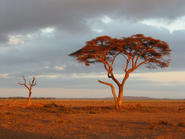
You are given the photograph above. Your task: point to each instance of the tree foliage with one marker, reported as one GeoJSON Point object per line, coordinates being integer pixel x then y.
{"type": "Point", "coordinates": [105, 49]}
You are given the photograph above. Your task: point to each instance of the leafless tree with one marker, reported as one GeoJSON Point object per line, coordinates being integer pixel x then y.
{"type": "Point", "coordinates": [136, 51]}
{"type": "Point", "coordinates": [28, 86]}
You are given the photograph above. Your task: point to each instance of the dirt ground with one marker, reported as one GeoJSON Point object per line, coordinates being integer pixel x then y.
{"type": "Point", "coordinates": [90, 119]}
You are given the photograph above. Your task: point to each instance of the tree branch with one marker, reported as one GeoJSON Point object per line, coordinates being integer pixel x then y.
{"type": "Point", "coordinates": [142, 63]}
{"type": "Point", "coordinates": [20, 83]}
{"type": "Point", "coordinates": [114, 59]}
{"type": "Point", "coordinates": [31, 83]}
{"type": "Point", "coordinates": [112, 87]}
{"type": "Point", "coordinates": [110, 71]}
{"type": "Point", "coordinates": [133, 63]}
{"type": "Point", "coordinates": [127, 64]}
{"type": "Point", "coordinates": [141, 54]}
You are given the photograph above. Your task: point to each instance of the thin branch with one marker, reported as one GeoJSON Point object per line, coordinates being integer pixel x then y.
{"type": "Point", "coordinates": [142, 54]}
{"type": "Point", "coordinates": [24, 79]}
{"type": "Point", "coordinates": [133, 64]}
{"type": "Point", "coordinates": [114, 79]}
{"type": "Point", "coordinates": [137, 48]}
{"type": "Point", "coordinates": [127, 64]}
{"type": "Point", "coordinates": [111, 75]}
{"type": "Point", "coordinates": [31, 83]}
{"type": "Point", "coordinates": [145, 61]}
{"type": "Point", "coordinates": [23, 84]}
{"type": "Point", "coordinates": [125, 78]}
{"type": "Point", "coordinates": [114, 58]}
{"type": "Point", "coordinates": [123, 51]}
{"type": "Point", "coordinates": [20, 83]}
{"type": "Point", "coordinates": [35, 83]}
{"type": "Point", "coordinates": [124, 56]}
{"type": "Point", "coordinates": [33, 80]}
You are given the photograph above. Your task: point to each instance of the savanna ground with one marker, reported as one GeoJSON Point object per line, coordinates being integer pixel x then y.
{"type": "Point", "coordinates": [81, 119]}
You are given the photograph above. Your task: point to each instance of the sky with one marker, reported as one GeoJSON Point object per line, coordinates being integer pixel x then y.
{"type": "Point", "coordinates": [37, 36]}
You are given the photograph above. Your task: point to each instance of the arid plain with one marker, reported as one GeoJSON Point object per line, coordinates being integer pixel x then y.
{"type": "Point", "coordinates": [89, 119]}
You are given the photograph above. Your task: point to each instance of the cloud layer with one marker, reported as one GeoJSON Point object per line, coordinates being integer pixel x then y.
{"type": "Point", "coordinates": [19, 16]}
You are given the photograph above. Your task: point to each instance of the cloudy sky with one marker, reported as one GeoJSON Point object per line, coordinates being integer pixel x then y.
{"type": "Point", "coordinates": [36, 37]}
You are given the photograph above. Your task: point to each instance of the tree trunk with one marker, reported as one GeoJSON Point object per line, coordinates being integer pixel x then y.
{"type": "Point", "coordinates": [119, 101]}
{"type": "Point", "coordinates": [120, 96]}
{"type": "Point", "coordinates": [29, 98]}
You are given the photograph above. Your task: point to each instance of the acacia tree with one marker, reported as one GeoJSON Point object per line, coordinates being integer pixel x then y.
{"type": "Point", "coordinates": [136, 51]}
{"type": "Point", "coordinates": [29, 87]}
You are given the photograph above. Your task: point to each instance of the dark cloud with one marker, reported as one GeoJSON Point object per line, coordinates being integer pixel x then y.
{"type": "Point", "coordinates": [69, 15]}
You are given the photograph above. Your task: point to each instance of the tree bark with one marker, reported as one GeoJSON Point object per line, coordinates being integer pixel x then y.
{"type": "Point", "coordinates": [120, 96]}
{"type": "Point", "coordinates": [29, 98]}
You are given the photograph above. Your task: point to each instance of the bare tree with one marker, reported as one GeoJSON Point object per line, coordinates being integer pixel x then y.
{"type": "Point", "coordinates": [29, 86]}
{"type": "Point", "coordinates": [136, 51]}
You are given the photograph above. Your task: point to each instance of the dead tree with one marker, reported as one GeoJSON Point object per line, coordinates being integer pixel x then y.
{"type": "Point", "coordinates": [29, 87]}
{"type": "Point", "coordinates": [136, 51]}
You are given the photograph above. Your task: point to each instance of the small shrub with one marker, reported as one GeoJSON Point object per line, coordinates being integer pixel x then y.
{"type": "Point", "coordinates": [7, 113]}
{"type": "Point", "coordinates": [181, 109]}
{"type": "Point", "coordinates": [70, 121]}
{"type": "Point", "coordinates": [77, 108]}
{"type": "Point", "coordinates": [180, 124]}
{"type": "Point", "coordinates": [92, 112]}
{"type": "Point", "coordinates": [89, 127]}
{"type": "Point", "coordinates": [61, 121]}
{"type": "Point", "coordinates": [52, 111]}
{"type": "Point", "coordinates": [161, 122]}
{"type": "Point", "coordinates": [152, 125]}
{"type": "Point", "coordinates": [138, 105]}
{"type": "Point", "coordinates": [51, 105]}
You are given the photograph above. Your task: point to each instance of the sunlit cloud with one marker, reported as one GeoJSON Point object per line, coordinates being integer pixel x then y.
{"type": "Point", "coordinates": [48, 30]}
{"type": "Point", "coordinates": [15, 40]}
{"type": "Point", "coordinates": [29, 36]}
{"type": "Point", "coordinates": [162, 77]}
{"type": "Point", "coordinates": [60, 67]}
{"type": "Point", "coordinates": [171, 26]}
{"type": "Point", "coordinates": [72, 76]}
{"type": "Point", "coordinates": [89, 75]}
{"type": "Point", "coordinates": [106, 19]}
{"type": "Point", "coordinates": [49, 76]}
{"type": "Point", "coordinates": [46, 67]}
{"type": "Point", "coordinates": [5, 75]}
{"type": "Point", "coordinates": [97, 24]}
{"type": "Point", "coordinates": [97, 30]}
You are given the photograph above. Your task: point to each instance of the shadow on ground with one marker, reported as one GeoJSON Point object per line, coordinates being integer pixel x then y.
{"type": "Point", "coordinates": [11, 134]}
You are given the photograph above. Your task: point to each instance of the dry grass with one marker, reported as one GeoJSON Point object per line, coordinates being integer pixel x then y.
{"type": "Point", "coordinates": [92, 119]}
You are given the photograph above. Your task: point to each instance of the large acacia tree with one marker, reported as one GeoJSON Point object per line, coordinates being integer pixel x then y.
{"type": "Point", "coordinates": [136, 51]}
